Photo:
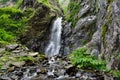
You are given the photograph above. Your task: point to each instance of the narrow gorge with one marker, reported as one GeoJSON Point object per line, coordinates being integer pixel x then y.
{"type": "Point", "coordinates": [59, 40]}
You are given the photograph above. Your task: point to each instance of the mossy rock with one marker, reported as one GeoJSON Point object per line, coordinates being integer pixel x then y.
{"type": "Point", "coordinates": [41, 16]}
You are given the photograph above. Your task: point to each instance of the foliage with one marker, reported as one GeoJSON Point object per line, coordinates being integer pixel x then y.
{"type": "Point", "coordinates": [3, 1]}
{"type": "Point", "coordinates": [6, 36]}
{"type": "Point", "coordinates": [73, 7]}
{"type": "Point", "coordinates": [64, 5]}
{"type": "Point", "coordinates": [46, 2]}
{"type": "Point", "coordinates": [18, 3]}
{"type": "Point", "coordinates": [12, 24]}
{"type": "Point", "coordinates": [9, 56]}
{"type": "Point", "coordinates": [116, 73]}
{"type": "Point", "coordinates": [81, 59]}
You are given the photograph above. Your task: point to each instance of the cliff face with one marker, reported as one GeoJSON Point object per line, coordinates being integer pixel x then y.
{"type": "Point", "coordinates": [40, 14]}
{"type": "Point", "coordinates": [96, 25]}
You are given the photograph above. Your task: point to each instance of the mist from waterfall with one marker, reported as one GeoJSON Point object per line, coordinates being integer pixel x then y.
{"type": "Point", "coordinates": [54, 44]}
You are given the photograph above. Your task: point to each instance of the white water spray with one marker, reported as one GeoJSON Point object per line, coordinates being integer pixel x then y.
{"type": "Point", "coordinates": [54, 43]}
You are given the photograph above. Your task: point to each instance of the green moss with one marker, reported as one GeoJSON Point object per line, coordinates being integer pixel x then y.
{"type": "Point", "coordinates": [45, 2]}
{"type": "Point", "coordinates": [84, 42]}
{"type": "Point", "coordinates": [18, 3]}
{"type": "Point", "coordinates": [12, 24]}
{"type": "Point", "coordinates": [3, 43]}
{"type": "Point", "coordinates": [110, 13]}
{"type": "Point", "coordinates": [73, 7]}
{"type": "Point", "coordinates": [104, 31]}
{"type": "Point", "coordinates": [29, 13]}
{"type": "Point", "coordinates": [8, 56]}
{"type": "Point", "coordinates": [110, 1]}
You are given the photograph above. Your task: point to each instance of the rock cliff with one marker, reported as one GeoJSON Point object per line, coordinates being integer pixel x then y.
{"type": "Point", "coordinates": [41, 14]}
{"type": "Point", "coordinates": [95, 25]}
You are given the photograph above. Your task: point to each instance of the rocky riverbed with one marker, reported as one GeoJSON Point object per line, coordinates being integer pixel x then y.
{"type": "Point", "coordinates": [34, 66]}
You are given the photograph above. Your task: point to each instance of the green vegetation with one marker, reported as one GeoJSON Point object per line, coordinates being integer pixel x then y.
{"type": "Point", "coordinates": [8, 56]}
{"type": "Point", "coordinates": [104, 31]}
{"type": "Point", "coordinates": [81, 59]}
{"type": "Point", "coordinates": [64, 5]}
{"type": "Point", "coordinates": [18, 3]}
{"type": "Point", "coordinates": [12, 24]}
{"type": "Point", "coordinates": [110, 1]}
{"type": "Point", "coordinates": [116, 73]}
{"type": "Point", "coordinates": [3, 1]}
{"type": "Point", "coordinates": [45, 2]}
{"type": "Point", "coordinates": [73, 7]}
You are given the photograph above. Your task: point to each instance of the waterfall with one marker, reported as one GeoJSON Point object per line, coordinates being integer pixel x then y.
{"type": "Point", "coordinates": [54, 44]}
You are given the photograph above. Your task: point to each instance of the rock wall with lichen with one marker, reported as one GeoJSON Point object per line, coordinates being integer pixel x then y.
{"type": "Point", "coordinates": [96, 25]}
{"type": "Point", "coordinates": [41, 14]}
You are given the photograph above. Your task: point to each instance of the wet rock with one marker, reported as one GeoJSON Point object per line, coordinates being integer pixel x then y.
{"type": "Point", "coordinates": [16, 51]}
{"type": "Point", "coordinates": [33, 54]}
{"type": "Point", "coordinates": [83, 11]}
{"type": "Point", "coordinates": [95, 52]}
{"type": "Point", "coordinates": [65, 78]}
{"type": "Point", "coordinates": [11, 47]}
{"type": "Point", "coordinates": [69, 66]}
{"type": "Point", "coordinates": [5, 78]}
{"type": "Point", "coordinates": [85, 22]}
{"type": "Point", "coordinates": [43, 70]}
{"type": "Point", "coordinates": [78, 74]}
{"type": "Point", "coordinates": [2, 49]}
{"type": "Point", "coordinates": [71, 71]}
{"type": "Point", "coordinates": [18, 64]}
{"type": "Point", "coordinates": [11, 68]}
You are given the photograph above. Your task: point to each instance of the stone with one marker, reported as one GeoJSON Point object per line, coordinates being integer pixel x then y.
{"type": "Point", "coordinates": [83, 11]}
{"type": "Point", "coordinates": [2, 50]}
{"type": "Point", "coordinates": [95, 52]}
{"type": "Point", "coordinates": [11, 47]}
{"type": "Point", "coordinates": [33, 54]}
{"type": "Point", "coordinates": [11, 68]}
{"type": "Point", "coordinates": [18, 64]}
{"type": "Point", "coordinates": [69, 66]}
{"type": "Point", "coordinates": [96, 26]}
{"type": "Point", "coordinates": [71, 71]}
{"type": "Point", "coordinates": [85, 22]}
{"type": "Point", "coordinates": [43, 71]}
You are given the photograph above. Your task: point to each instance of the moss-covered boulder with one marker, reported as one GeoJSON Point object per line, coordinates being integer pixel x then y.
{"type": "Point", "coordinates": [41, 15]}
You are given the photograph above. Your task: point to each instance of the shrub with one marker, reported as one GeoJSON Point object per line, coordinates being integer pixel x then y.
{"type": "Point", "coordinates": [12, 24]}
{"type": "Point", "coordinates": [81, 59]}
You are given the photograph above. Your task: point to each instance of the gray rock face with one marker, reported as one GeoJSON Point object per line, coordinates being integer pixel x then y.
{"type": "Point", "coordinates": [83, 31]}
{"type": "Point", "coordinates": [97, 27]}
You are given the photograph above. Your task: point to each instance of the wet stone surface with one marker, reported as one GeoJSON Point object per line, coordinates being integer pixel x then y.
{"type": "Point", "coordinates": [50, 69]}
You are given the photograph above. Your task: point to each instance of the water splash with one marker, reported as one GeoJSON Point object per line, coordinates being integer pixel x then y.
{"type": "Point", "coordinates": [54, 43]}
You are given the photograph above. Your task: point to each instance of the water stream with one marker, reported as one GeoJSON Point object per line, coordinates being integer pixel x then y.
{"type": "Point", "coordinates": [54, 43]}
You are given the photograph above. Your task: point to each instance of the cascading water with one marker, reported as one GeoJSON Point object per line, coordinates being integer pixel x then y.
{"type": "Point", "coordinates": [54, 43]}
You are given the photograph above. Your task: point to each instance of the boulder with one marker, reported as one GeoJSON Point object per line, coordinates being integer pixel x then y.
{"type": "Point", "coordinates": [18, 64]}
{"type": "Point", "coordinates": [11, 47]}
